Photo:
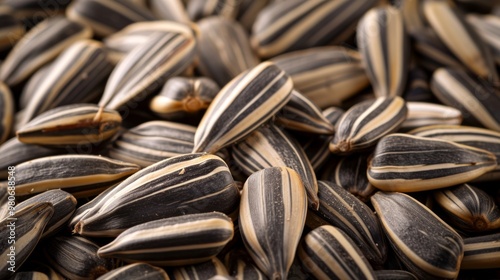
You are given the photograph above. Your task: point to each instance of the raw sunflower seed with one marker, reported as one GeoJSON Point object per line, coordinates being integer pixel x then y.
{"type": "Point", "coordinates": [272, 215]}
{"type": "Point", "coordinates": [333, 114]}
{"type": "Point", "coordinates": [80, 175]}
{"type": "Point", "coordinates": [32, 85]}
{"type": "Point", "coordinates": [11, 30]}
{"type": "Point", "coordinates": [4, 195]}
{"type": "Point", "coordinates": [171, 10]}
{"type": "Point", "coordinates": [481, 252]}
{"type": "Point", "coordinates": [366, 122]}
{"type": "Point", "coordinates": [6, 112]}
{"type": "Point", "coordinates": [249, 10]}
{"type": "Point", "coordinates": [198, 9]}
{"type": "Point", "coordinates": [244, 104]}
{"type": "Point", "coordinates": [29, 11]}
{"type": "Point", "coordinates": [488, 27]}
{"type": "Point", "coordinates": [207, 270]}
{"type": "Point", "coordinates": [241, 266]}
{"type": "Point", "coordinates": [423, 114]}
{"type": "Point", "coordinates": [394, 275]}
{"type": "Point", "coordinates": [328, 253]}
{"type": "Point", "coordinates": [39, 46]}
{"type": "Point", "coordinates": [408, 163]}
{"type": "Point", "coordinates": [136, 271]}
{"type": "Point", "coordinates": [183, 240]}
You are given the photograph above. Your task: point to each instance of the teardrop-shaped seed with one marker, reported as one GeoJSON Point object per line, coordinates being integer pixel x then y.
{"type": "Point", "coordinates": [71, 125]}
{"type": "Point", "coordinates": [285, 26]}
{"type": "Point", "coordinates": [136, 271]}
{"type": "Point", "coordinates": [428, 247]}
{"type": "Point", "coordinates": [366, 122]}
{"type": "Point", "coordinates": [183, 240]}
{"type": "Point", "coordinates": [272, 215]}
{"type": "Point", "coordinates": [6, 112]}
{"type": "Point", "coordinates": [244, 104]}
{"type": "Point", "coordinates": [341, 209]}
{"type": "Point", "coordinates": [325, 75]}
{"type": "Point", "coordinates": [394, 275]}
{"type": "Point", "coordinates": [39, 265]}
{"type": "Point", "coordinates": [187, 184]}
{"type": "Point", "coordinates": [20, 233]}
{"type": "Point", "coordinates": [469, 208]}
{"type": "Point", "coordinates": [207, 270]}
{"type": "Point", "coordinates": [408, 163]}
{"type": "Point", "coordinates": [152, 142]}
{"type": "Point", "coordinates": [73, 173]}
{"type": "Point", "coordinates": [39, 46]}
{"type": "Point", "coordinates": [199, 9]}
{"type": "Point", "coordinates": [171, 10]}
{"type": "Point", "coordinates": [461, 38]}
{"type": "Point", "coordinates": [240, 266]}
{"type": "Point", "coordinates": [423, 114]}
{"type": "Point", "coordinates": [487, 27]}
{"type": "Point", "coordinates": [148, 66]}
{"type": "Point", "coordinates": [385, 49]}
{"type": "Point", "coordinates": [11, 30]}
{"type": "Point", "coordinates": [107, 17]}
{"type": "Point", "coordinates": [481, 252]}
{"type": "Point", "coordinates": [269, 146]}
{"type": "Point", "coordinates": [328, 253]}
{"type": "Point", "coordinates": [181, 97]}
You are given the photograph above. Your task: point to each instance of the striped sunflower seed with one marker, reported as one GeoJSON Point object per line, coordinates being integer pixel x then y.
{"type": "Point", "coordinates": [29, 275]}
{"type": "Point", "coordinates": [341, 209]}
{"type": "Point", "coordinates": [76, 257]}
{"type": "Point", "coordinates": [30, 11]}
{"type": "Point", "coordinates": [147, 66]}
{"type": "Point", "coordinates": [366, 122]}
{"type": "Point", "coordinates": [207, 270]}
{"type": "Point", "coordinates": [32, 85]}
{"type": "Point", "coordinates": [272, 215]}
{"type": "Point", "coordinates": [481, 252]}
{"type": "Point", "coordinates": [6, 112]}
{"type": "Point", "coordinates": [11, 30]}
{"type": "Point", "coordinates": [478, 101]}
{"type": "Point", "coordinates": [172, 10]}
{"type": "Point", "coordinates": [27, 225]}
{"type": "Point", "coordinates": [199, 9]}
{"type": "Point", "coordinates": [152, 142]}
{"type": "Point", "coordinates": [325, 75]}
{"type": "Point", "coordinates": [80, 175]}
{"type": "Point", "coordinates": [43, 267]}
{"type": "Point", "coordinates": [244, 104]}
{"type": "Point", "coordinates": [408, 163]}
{"type": "Point", "coordinates": [487, 27]}
{"type": "Point", "coordinates": [183, 240]}
{"type": "Point", "coordinates": [394, 275]}
{"type": "Point", "coordinates": [39, 46]}
{"type": "Point", "coordinates": [112, 15]}
{"type": "Point", "coordinates": [328, 253]}
{"type": "Point", "coordinates": [384, 47]}
{"type": "Point", "coordinates": [240, 266]}
{"type": "Point", "coordinates": [469, 208]}
{"type": "Point", "coordinates": [223, 49]}
{"type": "Point", "coordinates": [187, 184]}
{"type": "Point", "coordinates": [422, 114]}
{"type": "Point", "coordinates": [136, 271]}
{"type": "Point", "coordinates": [413, 15]}
{"type": "Point", "coordinates": [269, 146]}
{"type": "Point", "coordinates": [249, 10]}
{"type": "Point", "coordinates": [181, 97]}
{"type": "Point", "coordinates": [333, 114]}
{"type": "Point", "coordinates": [428, 247]}
{"type": "Point", "coordinates": [285, 26]}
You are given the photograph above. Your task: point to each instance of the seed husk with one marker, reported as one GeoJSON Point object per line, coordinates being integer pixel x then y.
{"type": "Point", "coordinates": [481, 252]}
{"type": "Point", "coordinates": [417, 86]}
{"type": "Point", "coordinates": [422, 114]}
{"type": "Point", "coordinates": [172, 10]}
{"type": "Point", "coordinates": [240, 266]}
{"type": "Point", "coordinates": [249, 10]}
{"type": "Point", "coordinates": [6, 112]}
{"type": "Point", "coordinates": [136, 271]}
{"type": "Point", "coordinates": [487, 27]}
{"type": "Point", "coordinates": [428, 247]}
{"type": "Point", "coordinates": [333, 114]}
{"type": "Point", "coordinates": [208, 270]}
{"type": "Point", "coordinates": [199, 9]}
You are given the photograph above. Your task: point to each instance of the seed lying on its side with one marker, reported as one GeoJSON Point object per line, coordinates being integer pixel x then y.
{"type": "Point", "coordinates": [394, 275]}
{"type": "Point", "coordinates": [428, 247]}
{"type": "Point", "coordinates": [244, 104]}
{"type": "Point", "coordinates": [325, 75]}
{"type": "Point", "coordinates": [207, 270]}
{"type": "Point", "coordinates": [28, 226]}
{"type": "Point", "coordinates": [413, 15]}
{"type": "Point", "coordinates": [333, 114]}
{"type": "Point", "coordinates": [39, 46]}
{"type": "Point", "coordinates": [269, 146]}
{"type": "Point", "coordinates": [30, 11]}
{"type": "Point", "coordinates": [469, 208]}
{"type": "Point", "coordinates": [11, 30]}
{"type": "Point", "coordinates": [328, 253]}
{"type": "Point", "coordinates": [73, 173]}
{"type": "Point", "coordinates": [481, 252]}
{"type": "Point", "coordinates": [76, 257]}
{"type": "Point", "coordinates": [136, 271]}
{"type": "Point", "coordinates": [199, 9]}
{"type": "Point", "coordinates": [487, 27]}
{"type": "Point", "coordinates": [423, 114]}
{"type": "Point", "coordinates": [249, 10]}
{"type": "Point", "coordinates": [6, 112]}
{"type": "Point", "coordinates": [183, 240]}
{"type": "Point", "coordinates": [71, 125]}
{"type": "Point", "coordinates": [385, 49]}
{"type": "Point", "coordinates": [341, 209]}
{"type": "Point", "coordinates": [272, 215]}
{"type": "Point", "coordinates": [366, 122]}
{"type": "Point", "coordinates": [240, 265]}
{"type": "Point", "coordinates": [408, 163]}
{"type": "Point", "coordinates": [172, 10]}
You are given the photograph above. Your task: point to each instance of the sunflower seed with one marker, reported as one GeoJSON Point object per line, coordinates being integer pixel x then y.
{"type": "Point", "coordinates": [199, 9]}
{"type": "Point", "coordinates": [29, 275]}
{"type": "Point", "coordinates": [75, 174]}
{"type": "Point", "coordinates": [241, 266]}
{"type": "Point", "coordinates": [136, 271]}
{"type": "Point", "coordinates": [394, 275]}
{"type": "Point", "coordinates": [428, 247]}
{"type": "Point", "coordinates": [413, 15]}
{"type": "Point", "coordinates": [32, 85]}
{"type": "Point", "coordinates": [269, 146]}
{"type": "Point", "coordinates": [272, 215]}
{"type": "Point", "coordinates": [244, 104]}
{"type": "Point", "coordinates": [487, 27]}
{"type": "Point", "coordinates": [43, 267]}
{"type": "Point", "coordinates": [417, 87]}
{"type": "Point", "coordinates": [4, 195]}
{"type": "Point", "coordinates": [207, 270]}
{"type": "Point", "coordinates": [40, 45]}
{"type": "Point", "coordinates": [30, 11]}
{"type": "Point", "coordinates": [11, 30]}
{"type": "Point", "coordinates": [248, 11]}
{"type": "Point", "coordinates": [481, 252]}
{"type": "Point", "coordinates": [423, 114]}
{"type": "Point", "coordinates": [333, 114]}
{"type": "Point", "coordinates": [328, 253]}
{"type": "Point", "coordinates": [366, 122]}
{"type": "Point", "coordinates": [187, 184]}
{"type": "Point", "coordinates": [6, 112]}
{"type": "Point", "coordinates": [171, 10]}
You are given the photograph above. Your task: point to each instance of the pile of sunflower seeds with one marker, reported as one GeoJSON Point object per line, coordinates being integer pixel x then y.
{"type": "Point", "coordinates": [249, 139]}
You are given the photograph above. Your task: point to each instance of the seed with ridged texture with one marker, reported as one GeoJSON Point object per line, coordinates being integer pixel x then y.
{"type": "Point", "coordinates": [207, 270]}
{"type": "Point", "coordinates": [481, 252]}
{"type": "Point", "coordinates": [408, 163]}
{"type": "Point", "coordinates": [6, 112]}
{"type": "Point", "coordinates": [428, 247]}
{"type": "Point", "coordinates": [136, 271]}
{"type": "Point", "coordinates": [244, 104]}
{"type": "Point", "coordinates": [328, 253]}
{"type": "Point", "coordinates": [366, 122]}
{"type": "Point", "coordinates": [423, 114]}
{"type": "Point", "coordinates": [272, 215]}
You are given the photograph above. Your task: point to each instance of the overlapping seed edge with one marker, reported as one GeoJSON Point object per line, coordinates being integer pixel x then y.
{"type": "Point", "coordinates": [249, 139]}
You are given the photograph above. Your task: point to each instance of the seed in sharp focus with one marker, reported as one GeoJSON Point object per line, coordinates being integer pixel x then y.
{"type": "Point", "coordinates": [208, 270]}
{"type": "Point", "coordinates": [136, 271]}
{"type": "Point", "coordinates": [481, 252]}
{"type": "Point", "coordinates": [424, 114]}
{"type": "Point", "coordinates": [366, 122]}
{"type": "Point", "coordinates": [408, 163]}
{"type": "Point", "coordinates": [428, 247]}
{"type": "Point", "coordinates": [6, 112]}
{"type": "Point", "coordinates": [272, 215]}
